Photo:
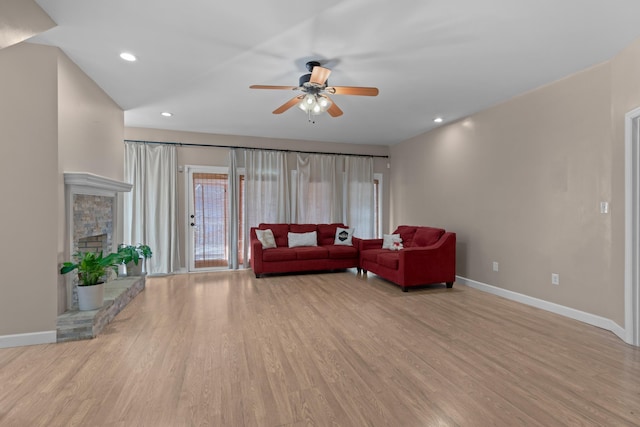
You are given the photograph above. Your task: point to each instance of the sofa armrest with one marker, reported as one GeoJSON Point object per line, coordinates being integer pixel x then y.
{"type": "Point", "coordinates": [437, 261]}
{"type": "Point", "coordinates": [370, 244]}
{"type": "Point", "coordinates": [256, 252]}
{"type": "Point", "coordinates": [356, 242]}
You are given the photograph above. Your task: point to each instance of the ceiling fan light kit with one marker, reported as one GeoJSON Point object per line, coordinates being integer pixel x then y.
{"type": "Point", "coordinates": [315, 99]}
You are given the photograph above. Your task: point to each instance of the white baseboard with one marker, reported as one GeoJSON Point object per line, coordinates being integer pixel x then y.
{"type": "Point", "coordinates": [34, 338]}
{"type": "Point", "coordinates": [571, 313]}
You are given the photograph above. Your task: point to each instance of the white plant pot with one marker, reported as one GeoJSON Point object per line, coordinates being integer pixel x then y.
{"type": "Point", "coordinates": [122, 270]}
{"type": "Point", "coordinates": [90, 297]}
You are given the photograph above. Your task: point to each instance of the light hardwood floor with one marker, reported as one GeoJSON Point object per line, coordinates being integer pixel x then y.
{"type": "Point", "coordinates": [226, 349]}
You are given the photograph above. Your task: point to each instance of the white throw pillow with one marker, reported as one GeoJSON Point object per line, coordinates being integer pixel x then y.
{"type": "Point", "coordinates": [344, 236]}
{"type": "Point", "coordinates": [303, 239]}
{"type": "Point", "coordinates": [266, 238]}
{"type": "Point", "coordinates": [391, 241]}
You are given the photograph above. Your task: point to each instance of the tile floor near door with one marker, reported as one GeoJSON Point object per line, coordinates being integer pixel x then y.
{"type": "Point", "coordinates": [226, 349]}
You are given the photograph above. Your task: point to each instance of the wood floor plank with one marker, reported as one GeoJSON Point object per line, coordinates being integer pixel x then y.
{"type": "Point", "coordinates": [336, 349]}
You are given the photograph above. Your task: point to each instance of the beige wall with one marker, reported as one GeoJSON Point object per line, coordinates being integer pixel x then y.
{"type": "Point", "coordinates": [521, 184]}
{"type": "Point", "coordinates": [207, 156]}
{"type": "Point", "coordinates": [90, 133]}
{"type": "Point", "coordinates": [28, 171]}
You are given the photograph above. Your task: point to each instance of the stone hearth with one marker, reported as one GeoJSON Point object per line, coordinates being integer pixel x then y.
{"type": "Point", "coordinates": [80, 325]}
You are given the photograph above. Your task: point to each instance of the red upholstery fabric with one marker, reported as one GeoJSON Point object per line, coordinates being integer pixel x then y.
{"type": "Point", "coordinates": [406, 232]}
{"type": "Point", "coordinates": [327, 233]}
{"type": "Point", "coordinates": [372, 254]}
{"type": "Point", "coordinates": [283, 259]}
{"type": "Point", "coordinates": [280, 232]}
{"type": "Point", "coordinates": [389, 259]}
{"type": "Point", "coordinates": [426, 236]}
{"type": "Point", "coordinates": [342, 252]}
{"type": "Point", "coordinates": [311, 252]}
{"type": "Point", "coordinates": [415, 265]}
{"type": "Point", "coordinates": [302, 228]}
{"type": "Point", "coordinates": [278, 254]}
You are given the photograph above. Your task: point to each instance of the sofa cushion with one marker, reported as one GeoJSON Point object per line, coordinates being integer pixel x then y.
{"type": "Point", "coordinates": [327, 233]}
{"type": "Point", "coordinates": [344, 236]}
{"type": "Point", "coordinates": [279, 232]}
{"type": "Point", "coordinates": [302, 228]}
{"type": "Point", "coordinates": [342, 252]}
{"type": "Point", "coordinates": [372, 254]}
{"type": "Point", "coordinates": [279, 254]}
{"type": "Point", "coordinates": [266, 238]}
{"type": "Point", "coordinates": [311, 252]}
{"type": "Point", "coordinates": [406, 232]}
{"type": "Point", "coordinates": [389, 260]}
{"type": "Point", "coordinates": [302, 239]}
{"type": "Point", "coordinates": [426, 236]}
{"type": "Point", "coordinates": [390, 240]}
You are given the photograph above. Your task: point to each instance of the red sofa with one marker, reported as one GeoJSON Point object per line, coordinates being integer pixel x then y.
{"type": "Point", "coordinates": [428, 256]}
{"type": "Point", "coordinates": [283, 259]}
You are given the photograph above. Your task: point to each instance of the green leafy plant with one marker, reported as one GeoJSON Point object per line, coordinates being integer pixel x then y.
{"type": "Point", "coordinates": [91, 266]}
{"type": "Point", "coordinates": [129, 253]}
{"type": "Point", "coordinates": [144, 250]}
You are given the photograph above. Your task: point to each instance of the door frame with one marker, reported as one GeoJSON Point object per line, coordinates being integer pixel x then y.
{"type": "Point", "coordinates": [189, 170]}
{"type": "Point", "coordinates": [632, 228]}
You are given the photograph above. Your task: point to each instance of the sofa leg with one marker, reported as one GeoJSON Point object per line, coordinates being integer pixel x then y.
{"type": "Point", "coordinates": [359, 270]}
{"type": "Point", "coordinates": [449, 285]}
{"type": "Point", "coordinates": [404, 289]}
{"type": "Point", "coordinates": [258, 276]}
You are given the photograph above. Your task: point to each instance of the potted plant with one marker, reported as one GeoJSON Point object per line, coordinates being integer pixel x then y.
{"type": "Point", "coordinates": [92, 268]}
{"type": "Point", "coordinates": [130, 258]}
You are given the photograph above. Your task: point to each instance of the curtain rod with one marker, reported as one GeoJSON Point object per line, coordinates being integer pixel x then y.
{"type": "Point", "coordinates": [186, 144]}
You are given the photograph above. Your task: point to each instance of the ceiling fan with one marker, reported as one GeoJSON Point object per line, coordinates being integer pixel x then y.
{"type": "Point", "coordinates": [314, 99]}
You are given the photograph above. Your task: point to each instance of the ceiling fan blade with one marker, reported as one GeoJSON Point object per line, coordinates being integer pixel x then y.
{"type": "Point", "coordinates": [290, 103]}
{"type": "Point", "coordinates": [319, 75]}
{"type": "Point", "coordinates": [273, 87]}
{"type": "Point", "coordinates": [353, 90]}
{"type": "Point", "coordinates": [334, 110]}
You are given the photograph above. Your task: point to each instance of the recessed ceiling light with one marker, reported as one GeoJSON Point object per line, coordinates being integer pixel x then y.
{"type": "Point", "coordinates": [166, 114]}
{"type": "Point", "coordinates": [438, 120]}
{"type": "Point", "coordinates": [128, 56]}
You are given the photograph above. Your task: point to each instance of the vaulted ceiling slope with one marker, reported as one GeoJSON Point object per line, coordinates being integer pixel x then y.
{"type": "Point", "coordinates": [197, 58]}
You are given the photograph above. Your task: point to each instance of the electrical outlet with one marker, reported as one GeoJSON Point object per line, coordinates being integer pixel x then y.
{"type": "Point", "coordinates": [555, 279]}
{"type": "Point", "coordinates": [495, 265]}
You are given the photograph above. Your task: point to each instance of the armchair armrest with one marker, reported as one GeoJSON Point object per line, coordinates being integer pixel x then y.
{"type": "Point", "coordinates": [370, 244]}
{"type": "Point", "coordinates": [430, 264]}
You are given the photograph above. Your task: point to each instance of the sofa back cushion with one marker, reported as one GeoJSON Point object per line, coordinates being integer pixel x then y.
{"type": "Point", "coordinates": [327, 233]}
{"type": "Point", "coordinates": [426, 236]}
{"type": "Point", "coordinates": [302, 228]}
{"type": "Point", "coordinates": [406, 233]}
{"type": "Point", "coordinates": [280, 232]}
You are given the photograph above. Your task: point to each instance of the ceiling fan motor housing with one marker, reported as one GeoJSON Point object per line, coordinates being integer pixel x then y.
{"type": "Point", "coordinates": [305, 79]}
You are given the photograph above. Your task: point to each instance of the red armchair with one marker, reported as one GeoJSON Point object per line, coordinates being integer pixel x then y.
{"type": "Point", "coordinates": [428, 256]}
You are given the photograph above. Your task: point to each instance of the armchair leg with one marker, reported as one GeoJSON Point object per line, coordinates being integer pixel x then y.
{"type": "Point", "coordinates": [449, 285]}
{"type": "Point", "coordinates": [258, 276]}
{"type": "Point", "coordinates": [404, 289]}
{"type": "Point", "coordinates": [359, 269]}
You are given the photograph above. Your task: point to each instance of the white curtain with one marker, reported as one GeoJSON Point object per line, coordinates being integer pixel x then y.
{"type": "Point", "coordinates": [318, 189]}
{"type": "Point", "coordinates": [150, 209]}
{"type": "Point", "coordinates": [233, 214]}
{"type": "Point", "coordinates": [359, 200]}
{"type": "Point", "coordinates": [266, 185]}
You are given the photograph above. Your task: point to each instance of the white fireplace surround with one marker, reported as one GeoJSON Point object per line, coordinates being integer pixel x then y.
{"type": "Point", "coordinates": [83, 183]}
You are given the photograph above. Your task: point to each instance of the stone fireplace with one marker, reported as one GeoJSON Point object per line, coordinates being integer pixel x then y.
{"type": "Point", "coordinates": [92, 221]}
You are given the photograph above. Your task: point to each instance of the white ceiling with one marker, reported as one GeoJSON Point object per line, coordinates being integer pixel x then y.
{"type": "Point", "coordinates": [450, 58]}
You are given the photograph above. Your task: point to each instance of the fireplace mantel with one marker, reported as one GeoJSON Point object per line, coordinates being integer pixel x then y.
{"type": "Point", "coordinates": [98, 200]}
{"type": "Point", "coordinates": [88, 183]}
